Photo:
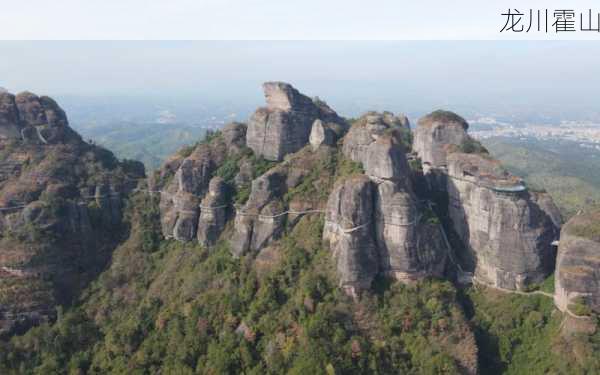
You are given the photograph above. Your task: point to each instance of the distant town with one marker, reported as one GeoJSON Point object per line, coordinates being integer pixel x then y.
{"type": "Point", "coordinates": [587, 134]}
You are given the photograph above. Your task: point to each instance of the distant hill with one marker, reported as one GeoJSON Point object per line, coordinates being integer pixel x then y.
{"type": "Point", "coordinates": [149, 142]}
{"type": "Point", "coordinates": [570, 173]}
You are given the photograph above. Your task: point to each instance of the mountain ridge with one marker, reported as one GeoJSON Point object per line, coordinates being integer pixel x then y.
{"type": "Point", "coordinates": [318, 246]}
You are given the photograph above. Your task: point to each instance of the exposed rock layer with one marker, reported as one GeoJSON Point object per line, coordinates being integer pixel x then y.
{"type": "Point", "coordinates": [402, 244]}
{"type": "Point", "coordinates": [577, 276]}
{"type": "Point", "coordinates": [189, 180]}
{"type": "Point", "coordinates": [285, 124]}
{"type": "Point", "coordinates": [506, 233]}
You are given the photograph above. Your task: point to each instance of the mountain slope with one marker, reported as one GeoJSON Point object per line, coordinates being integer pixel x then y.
{"type": "Point", "coordinates": [300, 243]}
{"type": "Point", "coordinates": [61, 209]}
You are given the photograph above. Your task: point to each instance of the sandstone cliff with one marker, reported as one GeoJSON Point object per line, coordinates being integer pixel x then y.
{"type": "Point", "coordinates": [577, 276]}
{"type": "Point", "coordinates": [186, 180]}
{"type": "Point", "coordinates": [506, 234]}
{"type": "Point", "coordinates": [405, 243]}
{"type": "Point", "coordinates": [398, 235]}
{"type": "Point", "coordinates": [284, 125]}
{"type": "Point", "coordinates": [60, 208]}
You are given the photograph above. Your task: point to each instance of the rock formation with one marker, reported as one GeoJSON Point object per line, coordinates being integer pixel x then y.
{"type": "Point", "coordinates": [400, 242]}
{"type": "Point", "coordinates": [186, 181]}
{"type": "Point", "coordinates": [60, 209]}
{"type": "Point", "coordinates": [360, 142]}
{"type": "Point", "coordinates": [263, 217]}
{"type": "Point", "coordinates": [577, 276]}
{"type": "Point", "coordinates": [435, 133]}
{"type": "Point", "coordinates": [213, 212]}
{"type": "Point", "coordinates": [349, 229]}
{"type": "Point", "coordinates": [285, 124]}
{"type": "Point", "coordinates": [507, 234]}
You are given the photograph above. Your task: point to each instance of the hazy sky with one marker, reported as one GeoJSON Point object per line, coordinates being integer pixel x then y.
{"type": "Point", "coordinates": [272, 19]}
{"type": "Point", "coordinates": [375, 73]}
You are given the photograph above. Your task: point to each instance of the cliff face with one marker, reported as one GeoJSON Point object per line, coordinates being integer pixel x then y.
{"type": "Point", "coordinates": [394, 229]}
{"type": "Point", "coordinates": [191, 192]}
{"type": "Point", "coordinates": [60, 199]}
{"type": "Point", "coordinates": [577, 277]}
{"type": "Point", "coordinates": [507, 235]}
{"type": "Point", "coordinates": [398, 235]}
{"type": "Point", "coordinates": [284, 125]}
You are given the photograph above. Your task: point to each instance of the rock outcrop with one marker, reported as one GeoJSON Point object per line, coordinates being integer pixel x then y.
{"type": "Point", "coordinates": [284, 125]}
{"type": "Point", "coordinates": [349, 230]}
{"type": "Point", "coordinates": [577, 276]}
{"type": "Point", "coordinates": [60, 209]}
{"type": "Point", "coordinates": [372, 136]}
{"type": "Point", "coordinates": [275, 193]}
{"type": "Point", "coordinates": [186, 181]}
{"type": "Point", "coordinates": [506, 233]}
{"type": "Point", "coordinates": [33, 119]}
{"type": "Point", "coordinates": [399, 239]}
{"type": "Point", "coordinates": [435, 133]}
{"type": "Point", "coordinates": [213, 212]}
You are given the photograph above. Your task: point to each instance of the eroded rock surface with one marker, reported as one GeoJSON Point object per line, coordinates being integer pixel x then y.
{"type": "Point", "coordinates": [285, 124]}
{"type": "Point", "coordinates": [405, 244]}
{"type": "Point", "coordinates": [189, 185]}
{"type": "Point", "coordinates": [375, 135]}
{"type": "Point", "coordinates": [434, 133]}
{"type": "Point", "coordinates": [263, 217]}
{"type": "Point", "coordinates": [349, 229]}
{"type": "Point", "coordinates": [507, 234]}
{"type": "Point", "coordinates": [213, 212]}
{"type": "Point", "coordinates": [577, 276]}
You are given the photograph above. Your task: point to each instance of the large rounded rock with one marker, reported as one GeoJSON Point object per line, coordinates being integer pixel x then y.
{"type": "Point", "coordinates": [434, 133]}
{"type": "Point", "coordinates": [375, 141]}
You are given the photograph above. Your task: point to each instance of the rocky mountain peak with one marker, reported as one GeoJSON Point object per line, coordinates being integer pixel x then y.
{"type": "Point", "coordinates": [35, 119]}
{"type": "Point", "coordinates": [442, 117]}
{"type": "Point", "coordinates": [285, 124]}
{"type": "Point", "coordinates": [60, 208]}
{"type": "Point", "coordinates": [434, 133]}
{"type": "Point", "coordinates": [283, 96]}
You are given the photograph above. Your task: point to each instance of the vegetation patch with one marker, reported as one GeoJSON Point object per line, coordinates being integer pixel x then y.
{"type": "Point", "coordinates": [472, 146]}
{"type": "Point", "coordinates": [521, 335]}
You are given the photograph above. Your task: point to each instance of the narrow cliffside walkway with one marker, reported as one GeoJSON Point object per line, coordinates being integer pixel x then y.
{"type": "Point", "coordinates": [534, 292]}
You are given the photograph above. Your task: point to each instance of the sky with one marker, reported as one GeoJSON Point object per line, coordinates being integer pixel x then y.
{"type": "Point", "coordinates": [368, 74]}
{"type": "Point", "coordinates": [271, 19]}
